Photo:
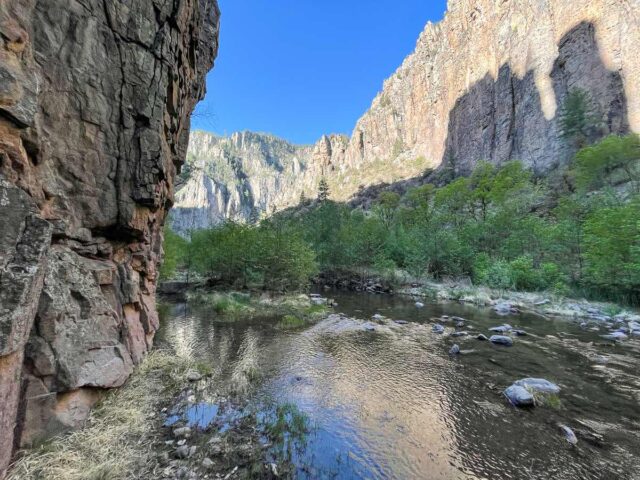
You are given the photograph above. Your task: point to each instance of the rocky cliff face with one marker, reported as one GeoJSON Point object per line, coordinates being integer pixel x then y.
{"type": "Point", "coordinates": [486, 83]}
{"type": "Point", "coordinates": [248, 175]}
{"type": "Point", "coordinates": [95, 101]}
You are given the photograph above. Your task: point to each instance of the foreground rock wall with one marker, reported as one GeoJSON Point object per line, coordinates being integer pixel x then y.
{"type": "Point", "coordinates": [95, 101]}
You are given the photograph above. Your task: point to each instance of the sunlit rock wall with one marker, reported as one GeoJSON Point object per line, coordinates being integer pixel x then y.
{"type": "Point", "coordinates": [95, 101]}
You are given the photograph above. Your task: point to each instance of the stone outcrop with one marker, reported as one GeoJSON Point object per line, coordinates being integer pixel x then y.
{"type": "Point", "coordinates": [485, 83]}
{"type": "Point", "coordinates": [95, 102]}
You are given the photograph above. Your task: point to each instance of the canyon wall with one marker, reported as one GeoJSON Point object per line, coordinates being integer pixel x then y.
{"type": "Point", "coordinates": [95, 102]}
{"type": "Point", "coordinates": [246, 176]}
{"type": "Point", "coordinates": [485, 83]}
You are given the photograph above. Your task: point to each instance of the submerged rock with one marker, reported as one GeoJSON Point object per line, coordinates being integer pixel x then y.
{"type": "Point", "coordinates": [460, 334]}
{"type": "Point", "coordinates": [501, 340]}
{"type": "Point", "coordinates": [538, 385]}
{"type": "Point", "coordinates": [519, 396]}
{"type": "Point", "coordinates": [569, 435]}
{"type": "Point", "coordinates": [455, 350]}
{"type": "Point", "coordinates": [615, 336]}
{"type": "Point", "coordinates": [482, 337]}
{"type": "Point", "coordinates": [437, 328]}
{"type": "Point", "coordinates": [368, 326]}
{"type": "Point", "coordinates": [502, 328]}
{"type": "Point", "coordinates": [520, 333]}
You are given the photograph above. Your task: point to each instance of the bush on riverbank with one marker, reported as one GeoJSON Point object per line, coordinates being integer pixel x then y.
{"type": "Point", "coordinates": [501, 226]}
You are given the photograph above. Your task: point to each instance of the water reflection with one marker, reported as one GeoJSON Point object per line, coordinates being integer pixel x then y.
{"type": "Point", "coordinates": [395, 405]}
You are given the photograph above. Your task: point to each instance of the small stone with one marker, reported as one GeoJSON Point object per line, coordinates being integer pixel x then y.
{"type": "Point", "coordinates": [182, 451]}
{"type": "Point", "coordinates": [455, 350]}
{"type": "Point", "coordinates": [419, 305]}
{"type": "Point", "coordinates": [482, 337]}
{"type": "Point", "coordinates": [193, 376]}
{"type": "Point", "coordinates": [460, 334]}
{"type": "Point", "coordinates": [437, 328]}
{"type": "Point", "coordinates": [569, 435]}
{"type": "Point", "coordinates": [520, 333]}
{"type": "Point", "coordinates": [401, 322]}
{"type": "Point", "coordinates": [181, 442]}
{"type": "Point", "coordinates": [182, 432]}
{"type": "Point", "coordinates": [207, 463]}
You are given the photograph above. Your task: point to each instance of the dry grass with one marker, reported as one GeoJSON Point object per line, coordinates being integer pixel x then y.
{"type": "Point", "coordinates": [117, 441]}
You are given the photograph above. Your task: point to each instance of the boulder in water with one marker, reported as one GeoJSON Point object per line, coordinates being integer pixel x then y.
{"type": "Point", "coordinates": [519, 396]}
{"type": "Point", "coordinates": [437, 328]}
{"type": "Point", "coordinates": [455, 350]}
{"type": "Point", "coordinates": [538, 385]}
{"type": "Point", "coordinates": [501, 340]}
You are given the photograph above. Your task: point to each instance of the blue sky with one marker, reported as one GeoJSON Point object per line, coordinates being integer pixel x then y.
{"type": "Point", "coordinates": [302, 68]}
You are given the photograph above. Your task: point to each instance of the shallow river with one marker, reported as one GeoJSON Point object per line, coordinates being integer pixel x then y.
{"type": "Point", "coordinates": [393, 403]}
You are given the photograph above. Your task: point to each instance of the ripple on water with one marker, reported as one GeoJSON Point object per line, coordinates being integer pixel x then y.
{"type": "Point", "coordinates": [391, 403]}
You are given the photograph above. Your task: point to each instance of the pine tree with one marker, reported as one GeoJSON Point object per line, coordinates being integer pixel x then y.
{"type": "Point", "coordinates": [578, 118]}
{"type": "Point", "coordinates": [323, 190]}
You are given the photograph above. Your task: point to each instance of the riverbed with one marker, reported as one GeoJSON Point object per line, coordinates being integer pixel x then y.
{"type": "Point", "coordinates": [387, 400]}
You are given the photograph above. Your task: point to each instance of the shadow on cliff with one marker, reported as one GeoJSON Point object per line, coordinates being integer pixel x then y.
{"type": "Point", "coordinates": [502, 119]}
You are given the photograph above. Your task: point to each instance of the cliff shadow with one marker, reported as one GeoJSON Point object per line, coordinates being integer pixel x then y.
{"type": "Point", "coordinates": [502, 119]}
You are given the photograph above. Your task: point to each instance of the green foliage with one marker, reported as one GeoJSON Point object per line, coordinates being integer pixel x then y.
{"type": "Point", "coordinates": [578, 118]}
{"type": "Point", "coordinates": [174, 250]}
{"type": "Point", "coordinates": [595, 165]}
{"type": "Point", "coordinates": [494, 226]}
{"type": "Point", "coordinates": [291, 322]}
{"type": "Point", "coordinates": [271, 255]}
{"type": "Point", "coordinates": [323, 190]}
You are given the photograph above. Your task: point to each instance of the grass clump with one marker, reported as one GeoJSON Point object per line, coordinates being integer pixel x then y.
{"type": "Point", "coordinates": [291, 322]}
{"type": "Point", "coordinates": [118, 440]}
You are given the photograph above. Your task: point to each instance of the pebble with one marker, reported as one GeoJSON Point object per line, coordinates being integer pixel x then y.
{"type": "Point", "coordinates": [182, 451]}
{"type": "Point", "coordinates": [182, 432]}
{"type": "Point", "coordinates": [455, 350]}
{"type": "Point", "coordinates": [207, 463]}
{"type": "Point", "coordinates": [482, 337]}
{"type": "Point", "coordinates": [193, 376]}
{"type": "Point", "coordinates": [419, 305]}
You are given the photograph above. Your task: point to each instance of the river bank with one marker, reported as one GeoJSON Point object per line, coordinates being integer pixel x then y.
{"type": "Point", "coordinates": [238, 393]}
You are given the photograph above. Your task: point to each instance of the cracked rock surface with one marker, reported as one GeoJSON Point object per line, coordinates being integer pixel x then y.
{"type": "Point", "coordinates": [95, 101]}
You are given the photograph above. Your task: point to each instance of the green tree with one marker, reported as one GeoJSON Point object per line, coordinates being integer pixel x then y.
{"type": "Point", "coordinates": [323, 190]}
{"type": "Point", "coordinates": [578, 119]}
{"type": "Point", "coordinates": [595, 166]}
{"type": "Point", "coordinates": [174, 248]}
